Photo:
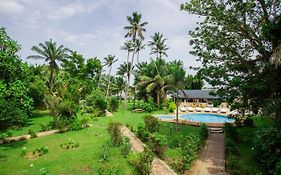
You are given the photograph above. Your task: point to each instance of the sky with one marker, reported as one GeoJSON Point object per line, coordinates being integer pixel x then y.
{"type": "Point", "coordinates": [95, 28]}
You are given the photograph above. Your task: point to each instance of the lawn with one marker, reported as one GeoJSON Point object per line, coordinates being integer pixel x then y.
{"type": "Point", "coordinates": [82, 160]}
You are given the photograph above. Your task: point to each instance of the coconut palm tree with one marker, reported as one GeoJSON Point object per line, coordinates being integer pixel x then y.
{"type": "Point", "coordinates": [158, 46]}
{"type": "Point", "coordinates": [125, 71]}
{"type": "Point", "coordinates": [109, 61]}
{"type": "Point", "coordinates": [50, 53]}
{"type": "Point", "coordinates": [135, 28]}
{"type": "Point", "coordinates": [128, 46]}
{"type": "Point", "coordinates": [138, 46]}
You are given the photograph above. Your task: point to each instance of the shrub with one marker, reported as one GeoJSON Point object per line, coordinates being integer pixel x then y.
{"type": "Point", "coordinates": [149, 106]}
{"type": "Point", "coordinates": [172, 106]}
{"type": "Point", "coordinates": [6, 134]}
{"type": "Point", "coordinates": [75, 125]}
{"type": "Point", "coordinates": [126, 147]}
{"type": "Point", "coordinates": [70, 144]}
{"type": "Point", "coordinates": [267, 148]}
{"type": "Point", "coordinates": [151, 123]}
{"type": "Point", "coordinates": [114, 129]}
{"type": "Point", "coordinates": [142, 161]}
{"type": "Point", "coordinates": [278, 168]}
{"type": "Point", "coordinates": [96, 103]}
{"type": "Point", "coordinates": [204, 132]}
{"type": "Point", "coordinates": [248, 121]}
{"type": "Point", "coordinates": [107, 170]}
{"type": "Point", "coordinates": [84, 123]}
{"type": "Point", "coordinates": [142, 133]}
{"type": "Point", "coordinates": [41, 151]}
{"type": "Point", "coordinates": [113, 104]}
{"type": "Point", "coordinates": [46, 127]}
{"type": "Point", "coordinates": [159, 144]}
{"type": "Point", "coordinates": [32, 133]}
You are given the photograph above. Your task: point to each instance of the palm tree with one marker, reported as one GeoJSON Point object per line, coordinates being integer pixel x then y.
{"type": "Point", "coordinates": [128, 46]}
{"type": "Point", "coordinates": [136, 27]}
{"type": "Point", "coordinates": [119, 85]}
{"type": "Point", "coordinates": [158, 46]}
{"type": "Point", "coordinates": [125, 70]}
{"type": "Point", "coordinates": [109, 61]}
{"type": "Point", "coordinates": [51, 53]}
{"type": "Point", "coordinates": [138, 46]}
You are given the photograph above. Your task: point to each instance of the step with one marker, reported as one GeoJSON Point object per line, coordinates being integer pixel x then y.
{"type": "Point", "coordinates": [215, 130]}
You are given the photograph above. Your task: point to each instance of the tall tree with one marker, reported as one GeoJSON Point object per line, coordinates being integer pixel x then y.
{"type": "Point", "coordinates": [128, 46]}
{"type": "Point", "coordinates": [234, 44]}
{"type": "Point", "coordinates": [138, 46]}
{"type": "Point", "coordinates": [50, 53]}
{"type": "Point", "coordinates": [109, 61]}
{"type": "Point", "coordinates": [158, 46]}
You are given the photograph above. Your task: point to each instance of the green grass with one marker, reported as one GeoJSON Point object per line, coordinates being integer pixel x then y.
{"type": "Point", "coordinates": [85, 158]}
{"type": "Point", "coordinates": [246, 162]}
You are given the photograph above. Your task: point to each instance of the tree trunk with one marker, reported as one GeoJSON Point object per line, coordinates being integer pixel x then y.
{"type": "Point", "coordinates": [108, 82]}
{"type": "Point", "coordinates": [51, 81]}
{"type": "Point", "coordinates": [158, 98]}
{"type": "Point", "coordinates": [138, 54]}
{"type": "Point", "coordinates": [127, 91]}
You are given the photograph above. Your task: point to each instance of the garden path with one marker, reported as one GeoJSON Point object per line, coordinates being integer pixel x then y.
{"type": "Point", "coordinates": [159, 167]}
{"type": "Point", "coordinates": [212, 159]}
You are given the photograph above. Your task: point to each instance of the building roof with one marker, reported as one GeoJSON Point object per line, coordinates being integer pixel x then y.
{"type": "Point", "coordinates": [198, 94]}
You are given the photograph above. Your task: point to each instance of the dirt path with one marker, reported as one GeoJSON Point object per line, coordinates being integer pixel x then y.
{"type": "Point", "coordinates": [158, 166]}
{"type": "Point", "coordinates": [212, 159]}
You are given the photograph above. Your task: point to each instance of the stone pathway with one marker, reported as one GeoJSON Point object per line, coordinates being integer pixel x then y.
{"type": "Point", "coordinates": [212, 159]}
{"type": "Point", "coordinates": [159, 167]}
{"type": "Point", "coordinates": [26, 137]}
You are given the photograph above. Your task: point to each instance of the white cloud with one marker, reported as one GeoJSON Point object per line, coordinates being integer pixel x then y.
{"type": "Point", "coordinates": [9, 7]}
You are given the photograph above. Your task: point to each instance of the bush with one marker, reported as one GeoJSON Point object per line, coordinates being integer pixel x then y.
{"type": "Point", "coordinates": [114, 129]}
{"type": "Point", "coordinates": [6, 134]}
{"type": "Point", "coordinates": [96, 103]}
{"type": "Point", "coordinates": [149, 106]}
{"type": "Point", "coordinates": [32, 133]}
{"type": "Point", "coordinates": [159, 145]}
{"type": "Point", "coordinates": [204, 132]}
{"type": "Point", "coordinates": [75, 125]}
{"type": "Point", "coordinates": [142, 162]}
{"type": "Point", "coordinates": [142, 133]}
{"type": "Point", "coordinates": [46, 127]}
{"type": "Point", "coordinates": [151, 123]}
{"type": "Point", "coordinates": [70, 144]}
{"type": "Point", "coordinates": [41, 151]}
{"type": "Point", "coordinates": [84, 123]}
{"type": "Point", "coordinates": [267, 148]}
{"type": "Point", "coordinates": [172, 106]}
{"type": "Point", "coordinates": [113, 104]}
{"type": "Point", "coordinates": [248, 121]}
{"type": "Point", "coordinates": [126, 147]}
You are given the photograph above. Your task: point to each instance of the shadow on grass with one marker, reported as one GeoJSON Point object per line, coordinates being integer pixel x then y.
{"type": "Point", "coordinates": [13, 145]}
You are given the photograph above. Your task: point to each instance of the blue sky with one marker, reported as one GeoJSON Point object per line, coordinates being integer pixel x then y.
{"type": "Point", "coordinates": [95, 27]}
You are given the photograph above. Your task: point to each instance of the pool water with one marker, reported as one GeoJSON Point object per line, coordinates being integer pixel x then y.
{"type": "Point", "coordinates": [204, 118]}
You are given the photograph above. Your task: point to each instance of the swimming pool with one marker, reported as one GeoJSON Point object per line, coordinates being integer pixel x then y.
{"type": "Point", "coordinates": [202, 117]}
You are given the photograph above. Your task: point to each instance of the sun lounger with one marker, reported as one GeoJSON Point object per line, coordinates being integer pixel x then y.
{"type": "Point", "coordinates": [190, 109]}
{"type": "Point", "coordinates": [207, 109]}
{"type": "Point", "coordinates": [197, 109]}
{"type": "Point", "coordinates": [223, 110]}
{"type": "Point", "coordinates": [215, 110]}
{"type": "Point", "coordinates": [183, 109]}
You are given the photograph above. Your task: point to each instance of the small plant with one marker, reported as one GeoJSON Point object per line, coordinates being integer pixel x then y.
{"type": "Point", "coordinates": [41, 151]}
{"type": "Point", "coordinates": [32, 133]}
{"type": "Point", "coordinates": [114, 129]}
{"type": "Point", "coordinates": [105, 154]}
{"type": "Point", "coordinates": [126, 147]}
{"type": "Point", "coordinates": [23, 152]}
{"type": "Point", "coordinates": [172, 106]}
{"type": "Point", "coordinates": [142, 161]}
{"type": "Point", "coordinates": [71, 144]}
{"type": "Point", "coordinates": [151, 123]}
{"type": "Point", "coordinates": [6, 134]}
{"type": "Point", "coordinates": [142, 133]}
{"type": "Point", "coordinates": [204, 132]}
{"type": "Point", "coordinates": [85, 122]}
{"type": "Point", "coordinates": [43, 171]}
{"type": "Point", "coordinates": [46, 127]}
{"type": "Point", "coordinates": [75, 125]}
{"type": "Point", "coordinates": [106, 170]}
{"type": "Point", "coordinates": [159, 144]}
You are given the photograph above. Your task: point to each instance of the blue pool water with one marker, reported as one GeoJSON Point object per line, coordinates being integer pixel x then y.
{"type": "Point", "coordinates": [204, 118]}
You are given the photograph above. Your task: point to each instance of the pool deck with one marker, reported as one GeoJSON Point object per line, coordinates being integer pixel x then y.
{"type": "Point", "coordinates": [193, 123]}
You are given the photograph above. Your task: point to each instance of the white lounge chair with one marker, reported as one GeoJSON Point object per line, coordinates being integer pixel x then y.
{"type": "Point", "coordinates": [207, 109]}
{"type": "Point", "coordinates": [198, 109]}
{"type": "Point", "coordinates": [190, 109]}
{"type": "Point", "coordinates": [223, 110]}
{"type": "Point", "coordinates": [215, 110]}
{"type": "Point", "coordinates": [183, 109]}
